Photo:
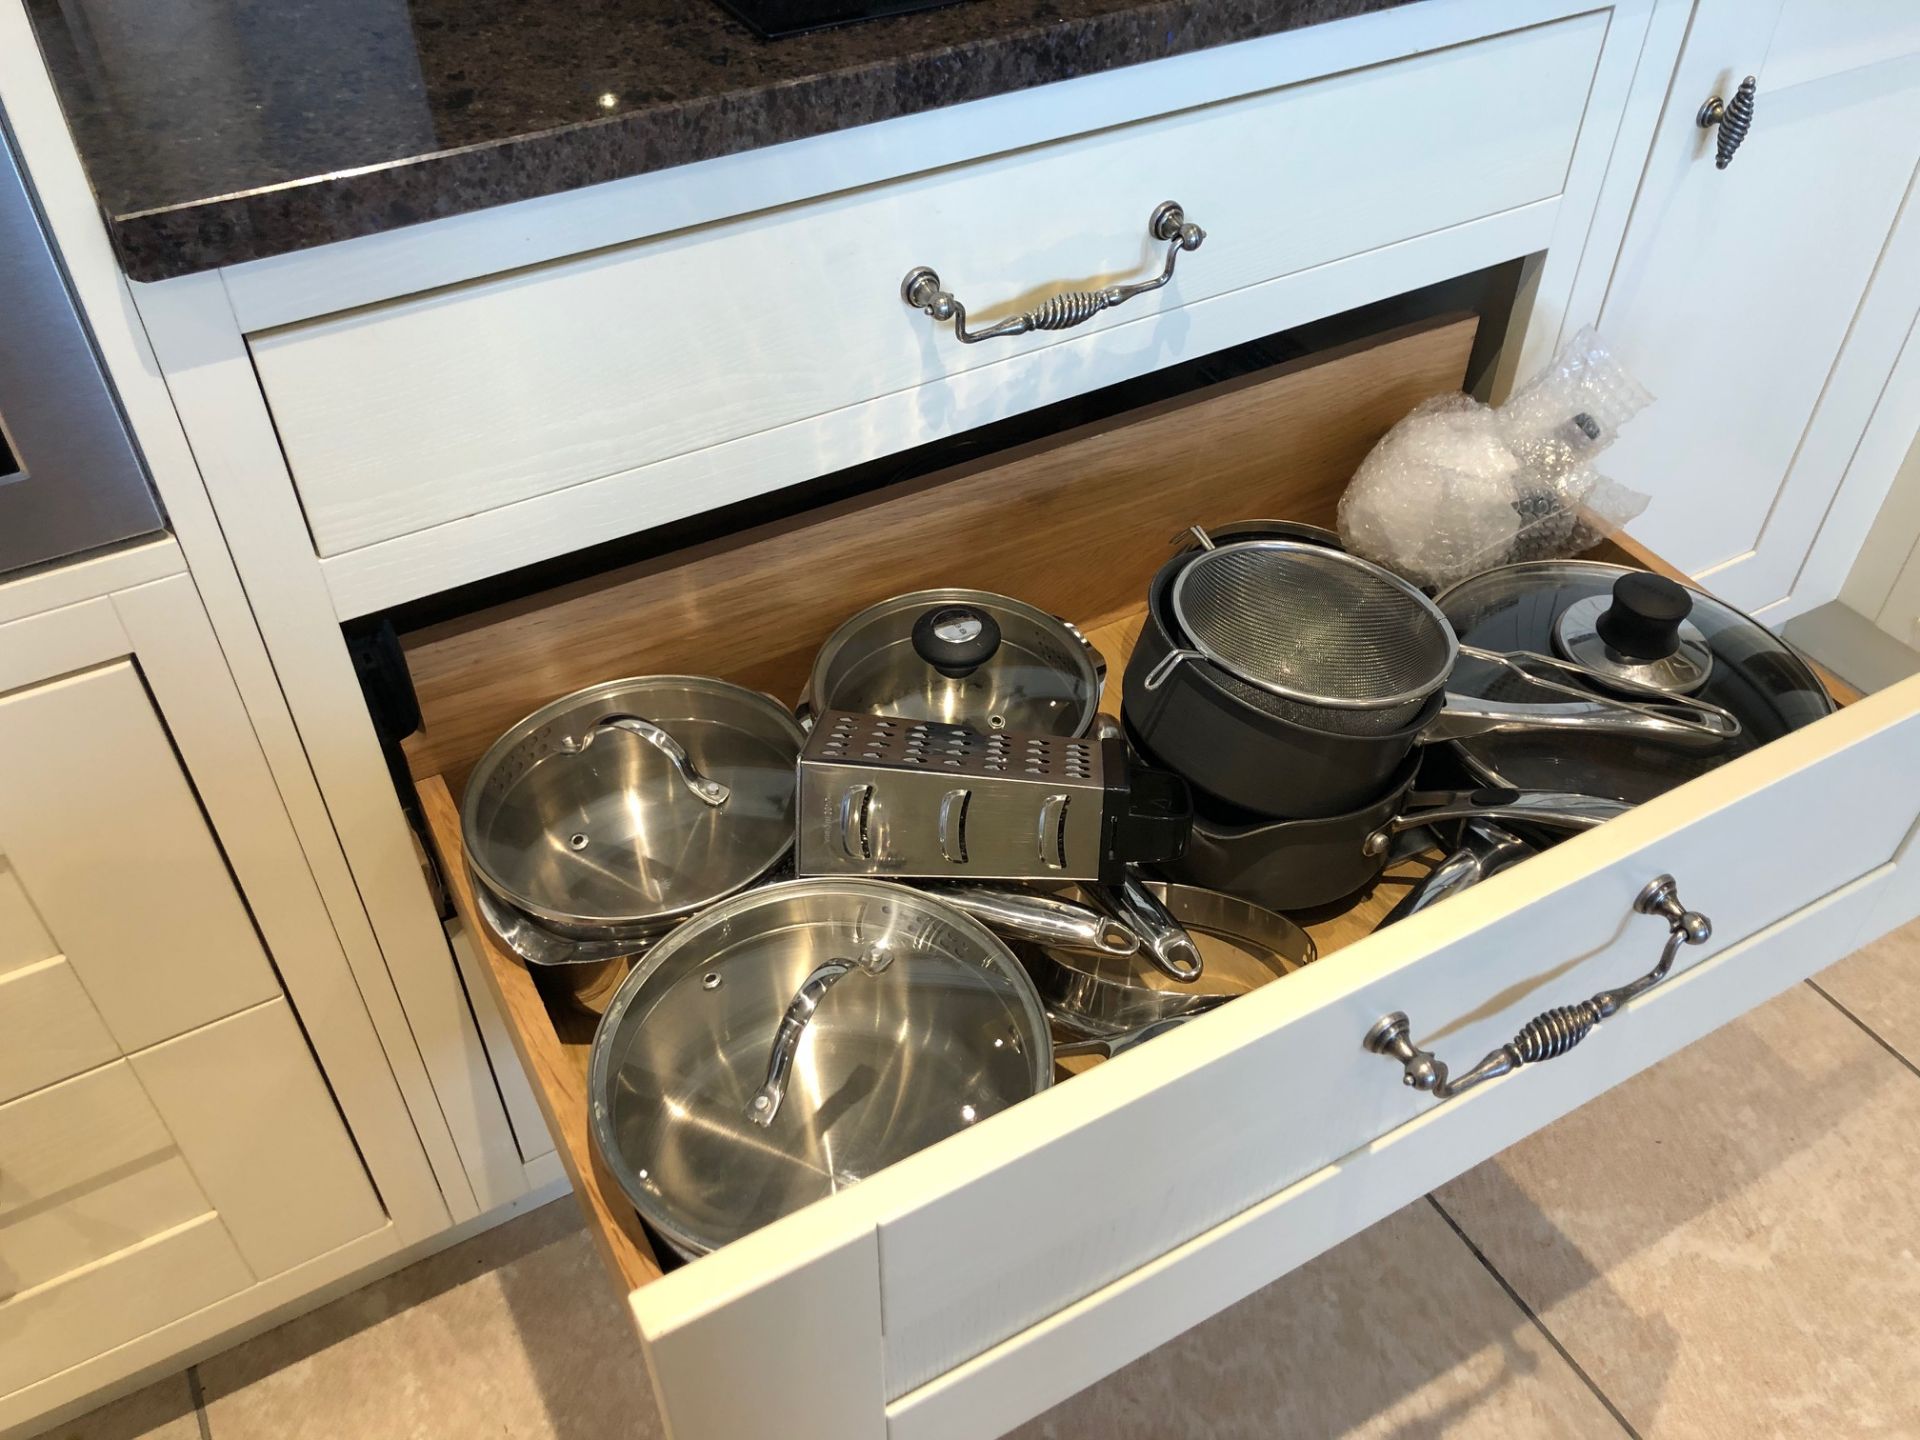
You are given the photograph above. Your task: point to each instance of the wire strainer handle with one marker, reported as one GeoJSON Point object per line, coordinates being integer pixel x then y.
{"type": "Point", "coordinates": [1674, 720]}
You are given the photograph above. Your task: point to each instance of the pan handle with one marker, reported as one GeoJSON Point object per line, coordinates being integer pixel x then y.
{"type": "Point", "coordinates": [1108, 1046]}
{"type": "Point", "coordinates": [710, 791]}
{"type": "Point", "coordinates": [1043, 919]}
{"type": "Point", "coordinates": [1670, 719]}
{"type": "Point", "coordinates": [1485, 850]}
{"type": "Point", "coordinates": [786, 1040]}
{"type": "Point", "coordinates": [1552, 1032]}
{"type": "Point", "coordinates": [1164, 938]}
{"type": "Point", "coordinates": [1551, 808]}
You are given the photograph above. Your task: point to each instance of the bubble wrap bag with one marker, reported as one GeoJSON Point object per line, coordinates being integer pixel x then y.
{"type": "Point", "coordinates": [1458, 487]}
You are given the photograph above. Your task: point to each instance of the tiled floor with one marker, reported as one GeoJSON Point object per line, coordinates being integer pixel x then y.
{"type": "Point", "coordinates": [1724, 1246]}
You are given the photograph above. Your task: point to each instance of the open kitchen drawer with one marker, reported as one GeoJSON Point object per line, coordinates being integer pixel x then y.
{"type": "Point", "coordinates": [982, 1280]}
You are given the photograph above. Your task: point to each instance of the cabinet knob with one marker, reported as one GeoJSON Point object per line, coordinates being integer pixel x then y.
{"type": "Point", "coordinates": [1734, 117]}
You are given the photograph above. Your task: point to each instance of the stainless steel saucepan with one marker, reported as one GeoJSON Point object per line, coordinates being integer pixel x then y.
{"type": "Point", "coordinates": [793, 1040]}
{"type": "Point", "coordinates": [618, 810]}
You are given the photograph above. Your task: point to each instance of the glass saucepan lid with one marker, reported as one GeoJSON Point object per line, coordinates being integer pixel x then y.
{"type": "Point", "coordinates": [791, 1041]}
{"type": "Point", "coordinates": [619, 808]}
{"type": "Point", "coordinates": [1652, 634]}
{"type": "Point", "coordinates": [963, 657]}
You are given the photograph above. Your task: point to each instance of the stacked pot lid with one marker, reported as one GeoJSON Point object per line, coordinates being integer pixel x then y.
{"type": "Point", "coordinates": [792, 1041]}
{"type": "Point", "coordinates": [962, 657]}
{"type": "Point", "coordinates": [617, 811]}
{"type": "Point", "coordinates": [1647, 633]}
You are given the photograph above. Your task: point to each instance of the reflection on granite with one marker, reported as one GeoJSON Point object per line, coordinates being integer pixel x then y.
{"type": "Point", "coordinates": [217, 131]}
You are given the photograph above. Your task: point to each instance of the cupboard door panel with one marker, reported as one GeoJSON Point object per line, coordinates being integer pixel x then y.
{"type": "Point", "coordinates": [250, 1112]}
{"type": "Point", "coordinates": [60, 1140]}
{"type": "Point", "coordinates": [92, 1310]}
{"type": "Point", "coordinates": [1737, 290]}
{"type": "Point", "coordinates": [99, 823]}
{"type": "Point", "coordinates": [48, 1028]}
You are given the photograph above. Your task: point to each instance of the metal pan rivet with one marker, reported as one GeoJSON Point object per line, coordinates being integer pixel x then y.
{"type": "Point", "coordinates": [710, 980]}
{"type": "Point", "coordinates": [578, 842]}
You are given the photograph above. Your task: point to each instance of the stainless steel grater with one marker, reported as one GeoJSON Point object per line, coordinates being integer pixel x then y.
{"type": "Point", "coordinates": [888, 796]}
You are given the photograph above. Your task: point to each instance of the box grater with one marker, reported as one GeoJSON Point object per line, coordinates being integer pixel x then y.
{"type": "Point", "coordinates": [916, 798]}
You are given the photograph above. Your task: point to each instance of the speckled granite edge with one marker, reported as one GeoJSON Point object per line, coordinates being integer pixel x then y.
{"type": "Point", "coordinates": [227, 230]}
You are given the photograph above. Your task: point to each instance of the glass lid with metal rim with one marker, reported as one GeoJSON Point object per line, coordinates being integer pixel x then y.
{"type": "Point", "coordinates": [634, 800]}
{"type": "Point", "coordinates": [963, 657]}
{"type": "Point", "coordinates": [1650, 633]}
{"type": "Point", "coordinates": [789, 1042]}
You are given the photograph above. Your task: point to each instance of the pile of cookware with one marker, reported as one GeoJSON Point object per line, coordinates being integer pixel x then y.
{"type": "Point", "coordinates": [841, 934]}
{"type": "Point", "coordinates": [1308, 696]}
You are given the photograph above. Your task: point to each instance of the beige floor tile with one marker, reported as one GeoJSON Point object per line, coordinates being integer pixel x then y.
{"type": "Point", "coordinates": [515, 1333]}
{"type": "Point", "coordinates": [1726, 1243]}
{"type": "Point", "coordinates": [1880, 985]}
{"type": "Point", "coordinates": [1398, 1333]}
{"type": "Point", "coordinates": [162, 1411]}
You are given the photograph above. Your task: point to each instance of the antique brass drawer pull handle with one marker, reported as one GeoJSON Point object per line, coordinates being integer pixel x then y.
{"type": "Point", "coordinates": [921, 289]}
{"type": "Point", "coordinates": [1555, 1031]}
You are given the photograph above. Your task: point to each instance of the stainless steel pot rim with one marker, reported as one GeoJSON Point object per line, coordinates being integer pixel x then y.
{"type": "Point", "coordinates": [637, 925]}
{"type": "Point", "coordinates": [722, 918]}
{"type": "Point", "coordinates": [541, 946]}
{"type": "Point", "coordinates": [1097, 996]}
{"type": "Point", "coordinates": [812, 701]}
{"type": "Point", "coordinates": [1183, 633]}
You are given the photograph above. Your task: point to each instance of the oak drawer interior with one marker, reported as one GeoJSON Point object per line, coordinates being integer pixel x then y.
{"type": "Point", "coordinates": [754, 609]}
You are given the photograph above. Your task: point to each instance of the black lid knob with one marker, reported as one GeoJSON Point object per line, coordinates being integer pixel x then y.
{"type": "Point", "coordinates": [1643, 622]}
{"type": "Point", "coordinates": [956, 640]}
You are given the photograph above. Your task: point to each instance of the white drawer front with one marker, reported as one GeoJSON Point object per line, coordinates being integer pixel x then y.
{"type": "Point", "coordinates": [990, 1233]}
{"type": "Point", "coordinates": [418, 412]}
{"type": "Point", "coordinates": [1044, 1365]}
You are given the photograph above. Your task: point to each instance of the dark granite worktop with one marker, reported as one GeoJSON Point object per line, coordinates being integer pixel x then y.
{"type": "Point", "coordinates": [217, 131]}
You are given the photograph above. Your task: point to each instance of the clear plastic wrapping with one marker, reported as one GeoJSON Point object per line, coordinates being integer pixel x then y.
{"type": "Point", "coordinates": [1458, 487]}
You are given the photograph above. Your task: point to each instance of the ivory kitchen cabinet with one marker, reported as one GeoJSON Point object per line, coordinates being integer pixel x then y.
{"type": "Point", "coordinates": [1766, 304]}
{"type": "Point", "coordinates": [397, 421]}
{"type": "Point", "coordinates": [173, 1163]}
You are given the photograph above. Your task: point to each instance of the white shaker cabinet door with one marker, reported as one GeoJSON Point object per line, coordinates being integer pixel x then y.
{"type": "Point", "coordinates": [1764, 304]}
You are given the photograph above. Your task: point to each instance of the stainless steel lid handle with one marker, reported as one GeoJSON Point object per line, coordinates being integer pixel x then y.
{"type": "Point", "coordinates": [1552, 1032]}
{"type": "Point", "coordinates": [711, 791]}
{"type": "Point", "coordinates": [793, 1025]}
{"type": "Point", "coordinates": [921, 287]}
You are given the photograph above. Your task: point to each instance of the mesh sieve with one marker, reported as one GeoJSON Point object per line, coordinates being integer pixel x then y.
{"type": "Point", "coordinates": [1314, 625]}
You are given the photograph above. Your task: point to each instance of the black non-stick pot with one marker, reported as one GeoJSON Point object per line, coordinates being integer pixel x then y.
{"type": "Point", "coordinates": [1305, 864]}
{"type": "Point", "coordinates": [1224, 736]}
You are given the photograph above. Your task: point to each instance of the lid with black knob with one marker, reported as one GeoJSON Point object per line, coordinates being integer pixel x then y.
{"type": "Point", "coordinates": [956, 640]}
{"type": "Point", "coordinates": [1633, 632]}
{"type": "Point", "coordinates": [960, 657]}
{"type": "Point", "coordinates": [1638, 633]}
